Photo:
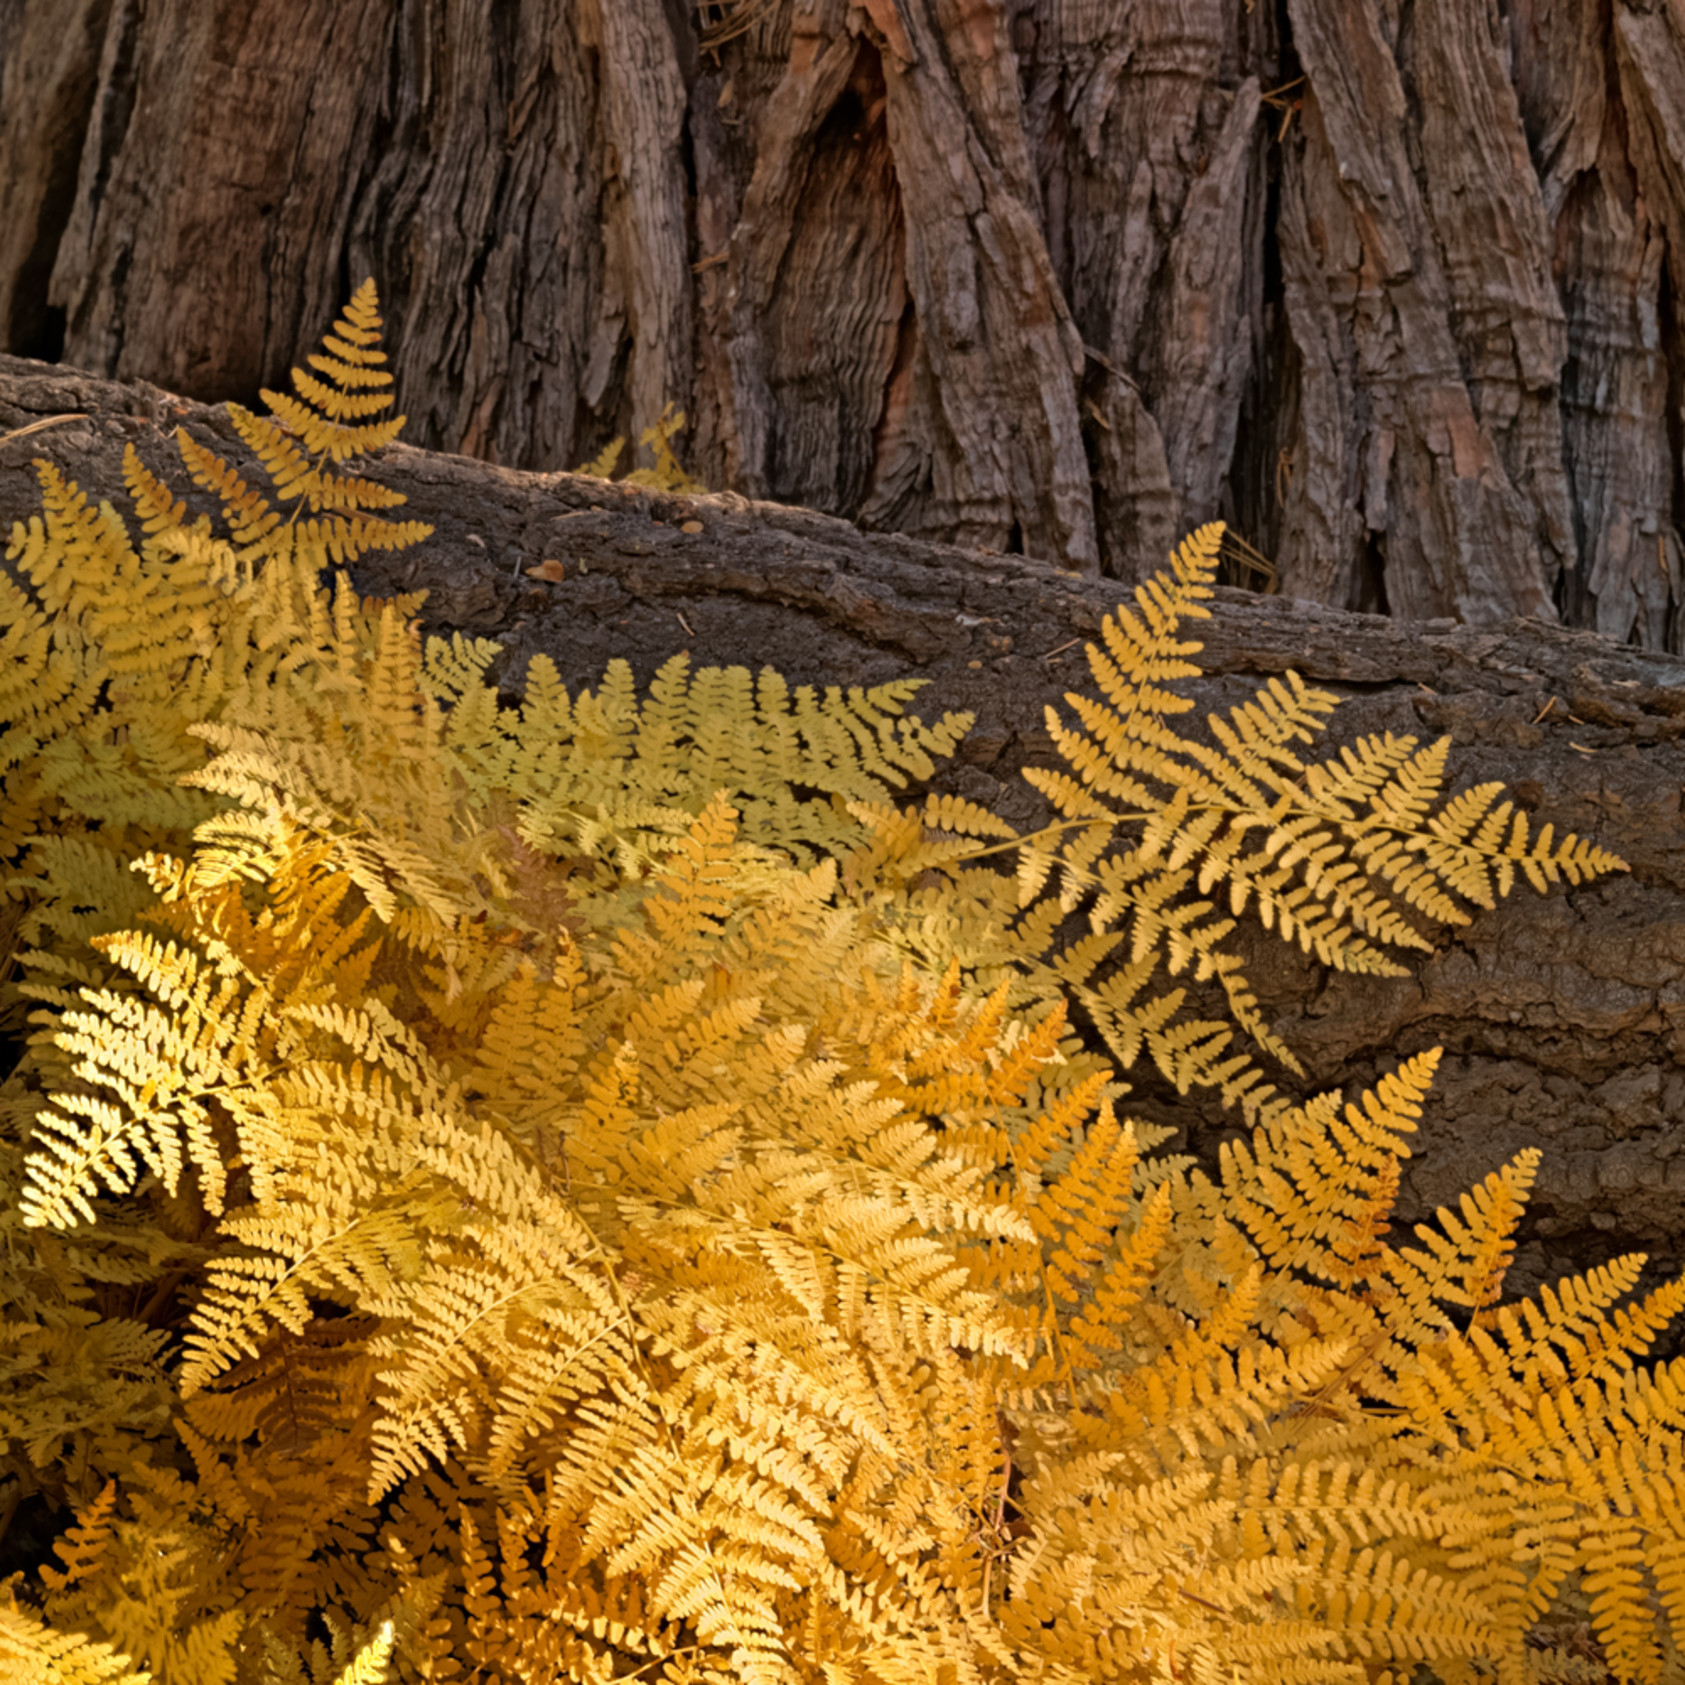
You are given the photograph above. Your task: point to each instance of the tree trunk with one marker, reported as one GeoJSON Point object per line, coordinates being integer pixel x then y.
{"type": "Point", "coordinates": [1563, 1016]}
{"type": "Point", "coordinates": [1393, 288]}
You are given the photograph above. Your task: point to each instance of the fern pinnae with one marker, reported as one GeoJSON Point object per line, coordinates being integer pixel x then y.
{"type": "Point", "coordinates": [37, 1654]}
{"type": "Point", "coordinates": [688, 1144]}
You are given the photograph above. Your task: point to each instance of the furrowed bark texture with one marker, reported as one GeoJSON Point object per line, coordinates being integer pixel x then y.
{"type": "Point", "coordinates": [1394, 289]}
{"type": "Point", "coordinates": [1563, 1016]}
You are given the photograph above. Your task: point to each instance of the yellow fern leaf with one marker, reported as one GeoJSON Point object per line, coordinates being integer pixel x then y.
{"type": "Point", "coordinates": [602, 465]}
{"type": "Point", "coordinates": [32, 1653]}
{"type": "Point", "coordinates": [666, 475]}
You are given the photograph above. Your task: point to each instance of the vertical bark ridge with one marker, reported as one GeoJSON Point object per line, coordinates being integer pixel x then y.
{"type": "Point", "coordinates": [1633, 600]}
{"type": "Point", "coordinates": [993, 446]}
{"type": "Point", "coordinates": [48, 82]}
{"type": "Point", "coordinates": [1457, 534]}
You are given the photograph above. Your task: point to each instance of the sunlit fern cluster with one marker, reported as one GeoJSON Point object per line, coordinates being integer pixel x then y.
{"type": "Point", "coordinates": [594, 1189]}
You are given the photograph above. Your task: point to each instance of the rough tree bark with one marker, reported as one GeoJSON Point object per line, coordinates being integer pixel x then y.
{"type": "Point", "coordinates": [1563, 1017]}
{"type": "Point", "coordinates": [1394, 288]}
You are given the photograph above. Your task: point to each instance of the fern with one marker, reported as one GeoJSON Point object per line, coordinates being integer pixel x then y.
{"type": "Point", "coordinates": [1165, 841]}
{"type": "Point", "coordinates": [666, 474]}
{"type": "Point", "coordinates": [312, 433]}
{"type": "Point", "coordinates": [34, 1654]}
{"type": "Point", "coordinates": [595, 1188]}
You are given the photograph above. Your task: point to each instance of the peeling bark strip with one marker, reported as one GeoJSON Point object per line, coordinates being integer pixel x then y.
{"type": "Point", "coordinates": [1393, 289]}
{"type": "Point", "coordinates": [1563, 1016]}
{"type": "Point", "coordinates": [1447, 330]}
{"type": "Point", "coordinates": [994, 412]}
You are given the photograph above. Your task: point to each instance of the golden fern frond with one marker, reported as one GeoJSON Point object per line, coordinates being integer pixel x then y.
{"type": "Point", "coordinates": [1304, 1187]}
{"type": "Point", "coordinates": [83, 1546]}
{"type": "Point", "coordinates": [603, 464]}
{"type": "Point", "coordinates": [277, 1487]}
{"type": "Point", "coordinates": [1469, 1253]}
{"type": "Point", "coordinates": [1251, 752]}
{"type": "Point", "coordinates": [152, 1076]}
{"type": "Point", "coordinates": [1334, 855]}
{"type": "Point", "coordinates": [154, 642]}
{"type": "Point", "coordinates": [488, 1310]}
{"type": "Point", "coordinates": [1144, 644]}
{"type": "Point", "coordinates": [161, 1066]}
{"type": "Point", "coordinates": [147, 1599]}
{"type": "Point", "coordinates": [41, 694]}
{"type": "Point", "coordinates": [252, 520]}
{"type": "Point", "coordinates": [1478, 847]}
{"type": "Point", "coordinates": [351, 362]}
{"type": "Point", "coordinates": [300, 449]}
{"type": "Point", "coordinates": [1593, 1469]}
{"type": "Point", "coordinates": [691, 899]}
{"type": "Point", "coordinates": [279, 1258]}
{"type": "Point", "coordinates": [81, 1380]}
{"type": "Point", "coordinates": [719, 729]}
{"type": "Point", "coordinates": [964, 818]}
{"type": "Point", "coordinates": [350, 1661]}
{"type": "Point", "coordinates": [159, 512]}
{"type": "Point", "coordinates": [1075, 1213]}
{"type": "Point", "coordinates": [608, 1192]}
{"type": "Point", "coordinates": [1573, 1329]}
{"type": "Point", "coordinates": [79, 559]}
{"type": "Point", "coordinates": [666, 475]}
{"type": "Point", "coordinates": [1098, 1328]}
{"type": "Point", "coordinates": [33, 1653]}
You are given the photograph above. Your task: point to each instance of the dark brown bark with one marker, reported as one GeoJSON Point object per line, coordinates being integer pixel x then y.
{"type": "Point", "coordinates": [1563, 1016]}
{"type": "Point", "coordinates": [1392, 288]}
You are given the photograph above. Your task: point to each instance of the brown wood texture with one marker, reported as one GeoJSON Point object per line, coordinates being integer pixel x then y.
{"type": "Point", "coordinates": [1563, 1016]}
{"type": "Point", "coordinates": [1393, 288]}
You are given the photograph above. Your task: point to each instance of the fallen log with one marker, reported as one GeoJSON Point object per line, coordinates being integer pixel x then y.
{"type": "Point", "coordinates": [1563, 1017]}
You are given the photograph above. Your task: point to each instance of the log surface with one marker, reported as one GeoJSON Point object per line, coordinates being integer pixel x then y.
{"type": "Point", "coordinates": [1563, 1016]}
